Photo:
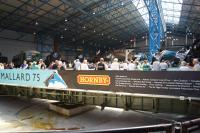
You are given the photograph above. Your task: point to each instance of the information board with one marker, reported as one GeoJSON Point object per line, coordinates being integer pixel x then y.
{"type": "Point", "coordinates": [173, 83]}
{"type": "Point", "coordinates": [32, 78]}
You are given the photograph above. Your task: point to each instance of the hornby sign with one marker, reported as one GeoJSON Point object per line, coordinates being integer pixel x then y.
{"type": "Point", "coordinates": [103, 80]}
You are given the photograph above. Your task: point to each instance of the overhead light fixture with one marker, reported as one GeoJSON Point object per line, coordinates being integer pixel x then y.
{"type": "Point", "coordinates": [34, 33]}
{"type": "Point", "coordinates": [73, 39]}
{"type": "Point", "coordinates": [84, 27]}
{"type": "Point", "coordinates": [94, 30]}
{"type": "Point", "coordinates": [122, 3]}
{"type": "Point", "coordinates": [66, 20]}
{"type": "Point", "coordinates": [93, 13]}
{"type": "Point", "coordinates": [61, 36]}
{"type": "Point", "coordinates": [36, 23]}
{"type": "Point", "coordinates": [65, 29]}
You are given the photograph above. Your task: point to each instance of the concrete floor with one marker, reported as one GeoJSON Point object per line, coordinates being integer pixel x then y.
{"type": "Point", "coordinates": [20, 114]}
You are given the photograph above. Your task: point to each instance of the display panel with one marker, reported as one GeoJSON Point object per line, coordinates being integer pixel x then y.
{"type": "Point", "coordinates": [171, 83]}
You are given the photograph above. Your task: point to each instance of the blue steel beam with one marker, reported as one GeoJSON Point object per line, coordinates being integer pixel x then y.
{"type": "Point", "coordinates": [156, 28]}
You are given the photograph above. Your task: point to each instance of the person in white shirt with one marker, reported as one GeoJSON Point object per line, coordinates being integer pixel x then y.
{"type": "Point", "coordinates": [115, 65]}
{"type": "Point", "coordinates": [132, 66]}
{"type": "Point", "coordinates": [106, 66]}
{"type": "Point", "coordinates": [64, 65]}
{"type": "Point", "coordinates": [184, 66]}
{"type": "Point", "coordinates": [77, 64]}
{"type": "Point", "coordinates": [156, 66]}
{"type": "Point", "coordinates": [125, 65]}
{"type": "Point", "coordinates": [1, 66]}
{"type": "Point", "coordinates": [84, 65]}
{"type": "Point", "coordinates": [163, 66]}
{"type": "Point", "coordinates": [196, 64]}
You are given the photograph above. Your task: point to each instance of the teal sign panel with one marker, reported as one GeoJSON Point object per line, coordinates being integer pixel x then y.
{"type": "Point", "coordinates": [32, 78]}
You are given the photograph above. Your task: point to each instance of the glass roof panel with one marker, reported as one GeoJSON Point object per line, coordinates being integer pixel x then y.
{"type": "Point", "coordinates": [172, 10]}
{"type": "Point", "coordinates": [142, 9]}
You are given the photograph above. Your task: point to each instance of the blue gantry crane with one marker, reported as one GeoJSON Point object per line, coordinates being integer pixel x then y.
{"type": "Point", "coordinates": [157, 26]}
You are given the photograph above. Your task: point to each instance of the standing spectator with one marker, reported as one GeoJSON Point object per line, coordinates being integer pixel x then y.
{"type": "Point", "coordinates": [10, 65]}
{"type": "Point", "coordinates": [1, 66]}
{"type": "Point", "coordinates": [156, 65]}
{"type": "Point", "coordinates": [124, 65]}
{"type": "Point", "coordinates": [140, 65]}
{"type": "Point", "coordinates": [29, 65]}
{"type": "Point", "coordinates": [5, 65]}
{"type": "Point", "coordinates": [196, 64]}
{"type": "Point", "coordinates": [60, 65]}
{"type": "Point", "coordinates": [92, 66]}
{"type": "Point", "coordinates": [24, 65]}
{"type": "Point", "coordinates": [115, 65]}
{"type": "Point", "coordinates": [132, 65]}
{"type": "Point", "coordinates": [41, 64]}
{"type": "Point", "coordinates": [64, 66]}
{"type": "Point", "coordinates": [84, 65]}
{"type": "Point", "coordinates": [35, 66]}
{"type": "Point", "coordinates": [70, 65]}
{"type": "Point", "coordinates": [51, 65]}
{"type": "Point", "coordinates": [101, 65]}
{"type": "Point", "coordinates": [146, 66]}
{"type": "Point", "coordinates": [163, 66]}
{"type": "Point", "coordinates": [77, 64]}
{"type": "Point", "coordinates": [55, 65]}
{"type": "Point", "coordinates": [184, 66]}
{"type": "Point", "coordinates": [106, 65]}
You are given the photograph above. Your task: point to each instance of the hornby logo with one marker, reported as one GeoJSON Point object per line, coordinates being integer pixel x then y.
{"type": "Point", "coordinates": [93, 79]}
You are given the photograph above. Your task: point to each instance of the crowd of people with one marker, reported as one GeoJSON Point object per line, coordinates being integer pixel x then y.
{"type": "Point", "coordinates": [129, 65]}
{"type": "Point", "coordinates": [40, 64]}
{"type": "Point", "coordinates": [135, 65]}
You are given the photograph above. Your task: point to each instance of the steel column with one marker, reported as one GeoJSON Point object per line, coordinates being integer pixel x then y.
{"type": "Point", "coordinates": [156, 28]}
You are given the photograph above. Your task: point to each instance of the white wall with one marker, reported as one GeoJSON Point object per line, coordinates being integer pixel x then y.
{"type": "Point", "coordinates": [9, 47]}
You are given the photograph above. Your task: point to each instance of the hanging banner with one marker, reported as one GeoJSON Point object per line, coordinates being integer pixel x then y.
{"type": "Point", "coordinates": [172, 83]}
{"type": "Point", "coordinates": [32, 78]}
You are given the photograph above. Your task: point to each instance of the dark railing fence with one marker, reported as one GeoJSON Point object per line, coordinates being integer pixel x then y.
{"type": "Point", "coordinates": [191, 126]}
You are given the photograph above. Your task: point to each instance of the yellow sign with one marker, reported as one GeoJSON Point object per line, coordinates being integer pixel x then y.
{"type": "Point", "coordinates": [93, 79]}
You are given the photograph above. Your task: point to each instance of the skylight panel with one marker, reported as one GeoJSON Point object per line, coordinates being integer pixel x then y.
{"type": "Point", "coordinates": [172, 10]}
{"type": "Point", "coordinates": [142, 9]}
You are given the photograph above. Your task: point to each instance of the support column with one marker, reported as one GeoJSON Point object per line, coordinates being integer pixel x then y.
{"type": "Point", "coordinates": [56, 45]}
{"type": "Point", "coordinates": [156, 28]}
